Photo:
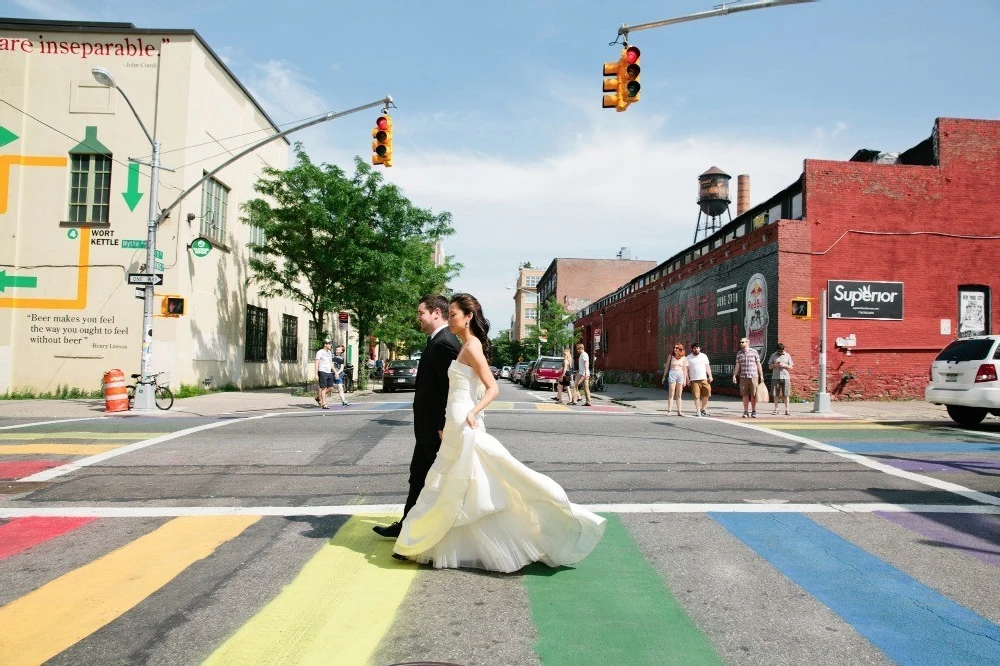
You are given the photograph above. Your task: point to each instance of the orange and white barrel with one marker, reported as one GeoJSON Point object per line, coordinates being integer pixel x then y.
{"type": "Point", "coordinates": [115, 391]}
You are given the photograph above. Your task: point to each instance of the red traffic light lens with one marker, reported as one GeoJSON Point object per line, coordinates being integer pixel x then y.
{"type": "Point", "coordinates": [382, 123]}
{"type": "Point", "coordinates": [631, 55]}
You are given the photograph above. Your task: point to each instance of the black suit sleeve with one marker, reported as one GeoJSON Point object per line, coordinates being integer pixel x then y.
{"type": "Point", "coordinates": [447, 352]}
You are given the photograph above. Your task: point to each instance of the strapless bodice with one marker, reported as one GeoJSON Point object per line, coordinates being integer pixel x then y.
{"type": "Point", "coordinates": [464, 391]}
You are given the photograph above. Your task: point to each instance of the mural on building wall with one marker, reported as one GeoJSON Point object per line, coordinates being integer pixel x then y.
{"type": "Point", "coordinates": [718, 306]}
{"type": "Point", "coordinates": [971, 313]}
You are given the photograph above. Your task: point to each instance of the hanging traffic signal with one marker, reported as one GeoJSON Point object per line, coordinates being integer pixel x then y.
{"type": "Point", "coordinates": [172, 306]}
{"type": "Point", "coordinates": [801, 308]}
{"type": "Point", "coordinates": [382, 145]}
{"type": "Point", "coordinates": [622, 80]}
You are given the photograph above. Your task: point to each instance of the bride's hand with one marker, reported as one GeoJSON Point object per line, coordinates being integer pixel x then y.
{"type": "Point", "coordinates": [470, 419]}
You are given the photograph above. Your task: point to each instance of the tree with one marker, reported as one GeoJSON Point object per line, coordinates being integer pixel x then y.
{"type": "Point", "coordinates": [552, 330]}
{"type": "Point", "coordinates": [333, 242]}
{"type": "Point", "coordinates": [502, 350]}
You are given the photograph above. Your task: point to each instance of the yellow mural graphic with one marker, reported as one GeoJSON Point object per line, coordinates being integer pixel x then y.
{"type": "Point", "coordinates": [78, 302]}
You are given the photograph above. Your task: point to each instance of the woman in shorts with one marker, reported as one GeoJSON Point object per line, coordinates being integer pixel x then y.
{"type": "Point", "coordinates": [675, 377]}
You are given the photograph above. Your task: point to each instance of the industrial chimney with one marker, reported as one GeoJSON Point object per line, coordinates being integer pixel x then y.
{"type": "Point", "coordinates": [742, 194]}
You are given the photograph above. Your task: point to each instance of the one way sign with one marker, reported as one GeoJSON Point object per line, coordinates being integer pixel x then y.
{"type": "Point", "coordinates": [145, 278]}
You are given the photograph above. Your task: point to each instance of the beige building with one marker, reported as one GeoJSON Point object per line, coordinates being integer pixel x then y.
{"type": "Point", "coordinates": [525, 302]}
{"type": "Point", "coordinates": [73, 212]}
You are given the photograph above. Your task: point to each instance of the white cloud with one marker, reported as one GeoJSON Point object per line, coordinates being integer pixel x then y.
{"type": "Point", "coordinates": [611, 184]}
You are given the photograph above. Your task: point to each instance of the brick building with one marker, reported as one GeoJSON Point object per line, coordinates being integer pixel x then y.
{"type": "Point", "coordinates": [904, 244]}
{"type": "Point", "coordinates": [525, 302]}
{"type": "Point", "coordinates": [577, 283]}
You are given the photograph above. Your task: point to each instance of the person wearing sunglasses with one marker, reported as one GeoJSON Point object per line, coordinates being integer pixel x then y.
{"type": "Point", "coordinates": [675, 377]}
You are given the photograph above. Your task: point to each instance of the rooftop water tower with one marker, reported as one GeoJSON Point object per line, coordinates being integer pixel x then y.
{"type": "Point", "coordinates": [713, 202]}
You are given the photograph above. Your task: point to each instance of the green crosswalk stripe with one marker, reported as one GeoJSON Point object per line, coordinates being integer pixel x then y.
{"type": "Point", "coordinates": [612, 608]}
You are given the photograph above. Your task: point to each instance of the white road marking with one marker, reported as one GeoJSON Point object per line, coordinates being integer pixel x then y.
{"type": "Point", "coordinates": [43, 423]}
{"type": "Point", "coordinates": [49, 474]}
{"type": "Point", "coordinates": [967, 493]}
{"type": "Point", "coordinates": [390, 509]}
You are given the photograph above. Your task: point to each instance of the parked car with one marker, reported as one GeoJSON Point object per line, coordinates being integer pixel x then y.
{"type": "Point", "coordinates": [400, 375]}
{"type": "Point", "coordinates": [495, 370]}
{"type": "Point", "coordinates": [505, 372]}
{"type": "Point", "coordinates": [518, 372]}
{"type": "Point", "coordinates": [964, 379]}
{"type": "Point", "coordinates": [547, 371]}
{"type": "Point", "coordinates": [526, 377]}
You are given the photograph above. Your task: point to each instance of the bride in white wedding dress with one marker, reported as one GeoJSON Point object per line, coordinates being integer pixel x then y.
{"type": "Point", "coordinates": [480, 507]}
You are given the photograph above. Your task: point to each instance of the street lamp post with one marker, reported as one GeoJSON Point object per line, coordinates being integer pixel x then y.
{"type": "Point", "coordinates": [144, 393]}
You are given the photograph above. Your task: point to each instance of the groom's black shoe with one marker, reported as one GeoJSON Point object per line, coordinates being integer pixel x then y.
{"type": "Point", "coordinates": [397, 556]}
{"type": "Point", "coordinates": [390, 531]}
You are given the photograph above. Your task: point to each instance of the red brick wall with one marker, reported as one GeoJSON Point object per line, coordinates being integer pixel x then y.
{"type": "Point", "coordinates": [910, 224]}
{"type": "Point", "coordinates": [580, 282]}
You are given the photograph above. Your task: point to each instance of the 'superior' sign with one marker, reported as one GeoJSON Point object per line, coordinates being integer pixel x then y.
{"type": "Point", "coordinates": [851, 299]}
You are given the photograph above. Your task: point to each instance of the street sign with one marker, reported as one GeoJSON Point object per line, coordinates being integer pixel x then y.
{"type": "Point", "coordinates": [145, 278]}
{"type": "Point", "coordinates": [201, 246]}
{"type": "Point", "coordinates": [140, 293]}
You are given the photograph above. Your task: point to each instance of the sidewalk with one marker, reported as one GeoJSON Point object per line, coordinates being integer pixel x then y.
{"type": "Point", "coordinates": [247, 403]}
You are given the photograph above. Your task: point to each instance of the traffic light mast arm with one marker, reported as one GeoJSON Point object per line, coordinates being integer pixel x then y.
{"type": "Point", "coordinates": [721, 10]}
{"type": "Point", "coordinates": [384, 102]}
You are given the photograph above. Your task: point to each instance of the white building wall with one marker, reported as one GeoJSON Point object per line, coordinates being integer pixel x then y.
{"type": "Point", "coordinates": [80, 318]}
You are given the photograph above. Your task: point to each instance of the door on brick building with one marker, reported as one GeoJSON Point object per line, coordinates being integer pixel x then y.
{"type": "Point", "coordinates": [973, 310]}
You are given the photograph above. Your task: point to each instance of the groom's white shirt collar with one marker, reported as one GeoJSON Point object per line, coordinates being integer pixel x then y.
{"type": "Point", "coordinates": [438, 330]}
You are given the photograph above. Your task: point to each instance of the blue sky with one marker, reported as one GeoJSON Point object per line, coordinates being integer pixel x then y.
{"type": "Point", "coordinates": [500, 122]}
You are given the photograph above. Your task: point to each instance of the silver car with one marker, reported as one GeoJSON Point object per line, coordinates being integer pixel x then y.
{"type": "Point", "coordinates": [964, 379]}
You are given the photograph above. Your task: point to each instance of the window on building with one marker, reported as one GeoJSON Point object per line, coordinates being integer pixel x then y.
{"type": "Point", "coordinates": [796, 212]}
{"type": "Point", "coordinates": [313, 339]}
{"type": "Point", "coordinates": [214, 202]}
{"type": "Point", "coordinates": [256, 344]}
{"type": "Point", "coordinates": [289, 338]}
{"type": "Point", "coordinates": [90, 188]}
{"type": "Point", "coordinates": [256, 238]}
{"type": "Point", "coordinates": [530, 297]}
{"type": "Point", "coordinates": [531, 280]}
{"type": "Point", "coordinates": [531, 313]}
{"type": "Point", "coordinates": [774, 214]}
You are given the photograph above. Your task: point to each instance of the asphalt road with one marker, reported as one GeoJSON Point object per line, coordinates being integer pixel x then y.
{"type": "Point", "coordinates": [243, 540]}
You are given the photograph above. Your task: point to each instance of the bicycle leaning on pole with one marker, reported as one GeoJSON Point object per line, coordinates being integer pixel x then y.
{"type": "Point", "coordinates": [161, 392]}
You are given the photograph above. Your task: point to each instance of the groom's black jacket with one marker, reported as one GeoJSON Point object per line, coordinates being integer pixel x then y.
{"type": "Point", "coordinates": [432, 383]}
{"type": "Point", "coordinates": [428, 408]}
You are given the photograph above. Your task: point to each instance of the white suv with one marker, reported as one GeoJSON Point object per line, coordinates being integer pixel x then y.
{"type": "Point", "coordinates": [964, 379]}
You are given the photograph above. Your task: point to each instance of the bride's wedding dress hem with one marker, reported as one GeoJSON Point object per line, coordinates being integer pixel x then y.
{"type": "Point", "coordinates": [482, 508]}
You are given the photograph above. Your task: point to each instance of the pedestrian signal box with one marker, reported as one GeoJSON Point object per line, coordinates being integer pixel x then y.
{"type": "Point", "coordinates": [802, 308]}
{"type": "Point", "coordinates": [172, 306]}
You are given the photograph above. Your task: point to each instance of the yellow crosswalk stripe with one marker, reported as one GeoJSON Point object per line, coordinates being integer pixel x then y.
{"type": "Point", "coordinates": [336, 610]}
{"type": "Point", "coordinates": [43, 623]}
{"type": "Point", "coordinates": [500, 405]}
{"type": "Point", "coordinates": [552, 408]}
{"type": "Point", "coordinates": [56, 449]}
{"type": "Point", "coordinates": [97, 436]}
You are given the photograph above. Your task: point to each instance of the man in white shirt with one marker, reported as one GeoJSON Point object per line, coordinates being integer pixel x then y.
{"type": "Point", "coordinates": [324, 372]}
{"type": "Point", "coordinates": [583, 373]}
{"type": "Point", "coordinates": [700, 375]}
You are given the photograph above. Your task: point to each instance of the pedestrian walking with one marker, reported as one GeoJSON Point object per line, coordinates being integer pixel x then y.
{"type": "Point", "coordinates": [324, 373]}
{"type": "Point", "coordinates": [747, 374]}
{"type": "Point", "coordinates": [566, 380]}
{"type": "Point", "coordinates": [781, 379]}
{"type": "Point", "coordinates": [700, 379]}
{"type": "Point", "coordinates": [675, 377]}
{"type": "Point", "coordinates": [582, 374]}
{"type": "Point", "coordinates": [338, 374]}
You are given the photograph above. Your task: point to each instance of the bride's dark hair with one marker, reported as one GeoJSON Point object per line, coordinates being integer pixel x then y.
{"type": "Point", "coordinates": [480, 326]}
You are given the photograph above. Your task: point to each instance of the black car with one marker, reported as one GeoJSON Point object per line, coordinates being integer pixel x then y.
{"type": "Point", "coordinates": [400, 375]}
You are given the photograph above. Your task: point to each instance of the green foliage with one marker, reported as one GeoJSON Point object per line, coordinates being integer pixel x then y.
{"type": "Point", "coordinates": [554, 322]}
{"type": "Point", "coordinates": [191, 390]}
{"type": "Point", "coordinates": [60, 393]}
{"type": "Point", "coordinates": [502, 350]}
{"type": "Point", "coordinates": [337, 242]}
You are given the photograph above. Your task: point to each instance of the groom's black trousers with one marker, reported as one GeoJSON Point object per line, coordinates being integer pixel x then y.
{"type": "Point", "coordinates": [424, 452]}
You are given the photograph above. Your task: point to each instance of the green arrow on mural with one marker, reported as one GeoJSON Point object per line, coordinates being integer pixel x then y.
{"type": "Point", "coordinates": [6, 136]}
{"type": "Point", "coordinates": [16, 281]}
{"type": "Point", "coordinates": [132, 194]}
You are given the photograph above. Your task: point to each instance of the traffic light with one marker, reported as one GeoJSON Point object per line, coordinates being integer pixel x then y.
{"type": "Point", "coordinates": [622, 80]}
{"type": "Point", "coordinates": [382, 145]}
{"type": "Point", "coordinates": [172, 306]}
{"type": "Point", "coordinates": [801, 308]}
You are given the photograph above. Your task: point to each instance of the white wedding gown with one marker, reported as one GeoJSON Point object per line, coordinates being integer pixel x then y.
{"type": "Point", "coordinates": [482, 508]}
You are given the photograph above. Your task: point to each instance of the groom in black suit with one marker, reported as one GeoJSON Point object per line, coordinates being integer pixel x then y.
{"type": "Point", "coordinates": [430, 398]}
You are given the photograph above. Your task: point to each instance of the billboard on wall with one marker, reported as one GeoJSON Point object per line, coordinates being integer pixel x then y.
{"type": "Point", "coordinates": [718, 306]}
{"type": "Point", "coordinates": [853, 299]}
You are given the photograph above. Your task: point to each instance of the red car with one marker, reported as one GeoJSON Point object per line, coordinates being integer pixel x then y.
{"type": "Point", "coordinates": [546, 372]}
